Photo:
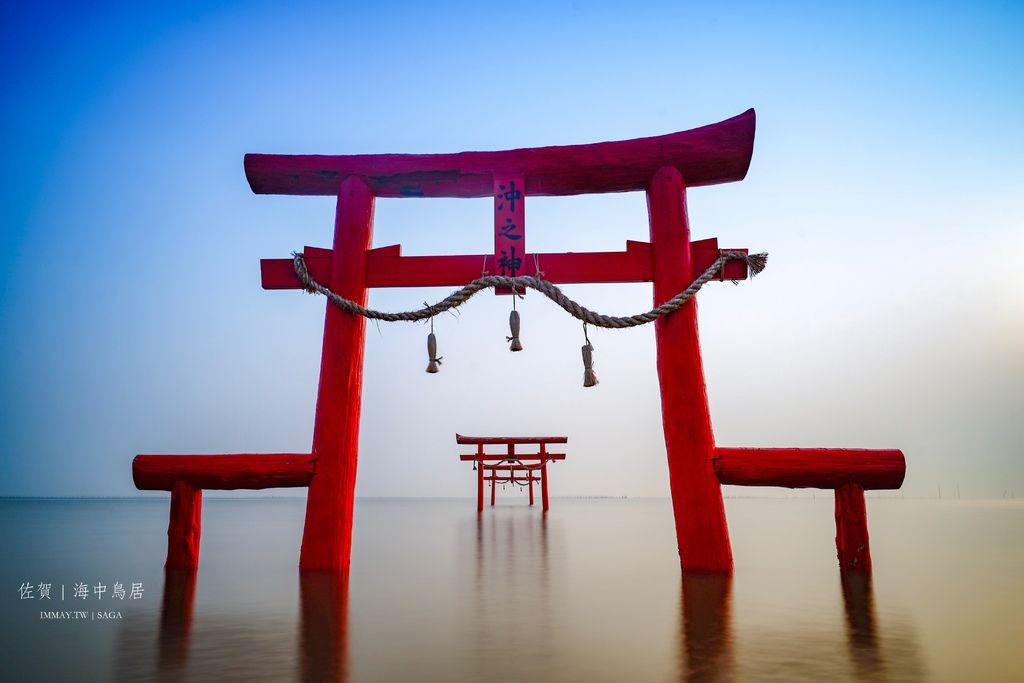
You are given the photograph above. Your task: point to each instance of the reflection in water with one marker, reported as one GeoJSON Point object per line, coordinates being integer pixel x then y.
{"type": "Point", "coordinates": [706, 649]}
{"type": "Point", "coordinates": [323, 627]}
{"type": "Point", "coordinates": [705, 614]}
{"type": "Point", "coordinates": [861, 632]}
{"type": "Point", "coordinates": [176, 619]}
{"type": "Point", "coordinates": [588, 593]}
{"type": "Point", "coordinates": [512, 588]}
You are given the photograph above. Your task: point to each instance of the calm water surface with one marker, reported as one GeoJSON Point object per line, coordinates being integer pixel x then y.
{"type": "Point", "coordinates": [592, 592]}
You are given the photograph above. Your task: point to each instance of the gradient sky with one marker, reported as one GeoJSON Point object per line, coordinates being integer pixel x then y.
{"type": "Point", "coordinates": [886, 185]}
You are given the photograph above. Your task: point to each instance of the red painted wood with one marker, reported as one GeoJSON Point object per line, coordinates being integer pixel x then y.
{"type": "Point", "coordinates": [717, 153]}
{"type": "Point", "coordinates": [823, 468]}
{"type": "Point", "coordinates": [519, 456]}
{"type": "Point", "coordinates": [509, 226]}
{"type": "Point", "coordinates": [509, 478]}
{"type": "Point", "coordinates": [494, 491]}
{"type": "Point", "coordinates": [701, 530]}
{"type": "Point", "coordinates": [327, 536]}
{"type": "Point", "coordinates": [185, 527]}
{"type": "Point", "coordinates": [532, 479]}
{"type": "Point", "coordinates": [225, 472]}
{"type": "Point", "coordinates": [509, 440]}
{"type": "Point", "coordinates": [386, 267]}
{"type": "Point", "coordinates": [512, 468]}
{"type": "Point", "coordinates": [480, 488]}
{"type": "Point", "coordinates": [852, 529]}
{"type": "Point", "coordinates": [544, 487]}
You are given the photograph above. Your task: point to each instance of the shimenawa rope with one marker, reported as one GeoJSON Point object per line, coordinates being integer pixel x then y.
{"type": "Point", "coordinates": [755, 262]}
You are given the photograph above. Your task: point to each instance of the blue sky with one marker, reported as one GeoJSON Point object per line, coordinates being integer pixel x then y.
{"type": "Point", "coordinates": [885, 184]}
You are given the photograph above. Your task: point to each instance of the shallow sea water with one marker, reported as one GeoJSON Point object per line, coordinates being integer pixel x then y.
{"type": "Point", "coordinates": [589, 592]}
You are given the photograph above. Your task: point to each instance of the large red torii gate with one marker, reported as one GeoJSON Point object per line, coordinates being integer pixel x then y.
{"type": "Point", "coordinates": [663, 167]}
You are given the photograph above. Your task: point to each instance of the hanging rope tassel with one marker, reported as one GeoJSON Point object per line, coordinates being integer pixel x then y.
{"type": "Point", "coordinates": [589, 378]}
{"type": "Point", "coordinates": [435, 363]}
{"type": "Point", "coordinates": [513, 324]}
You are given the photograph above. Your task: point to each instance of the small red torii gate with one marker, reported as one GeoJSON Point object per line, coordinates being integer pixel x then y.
{"type": "Point", "coordinates": [520, 466]}
{"type": "Point", "coordinates": [664, 167]}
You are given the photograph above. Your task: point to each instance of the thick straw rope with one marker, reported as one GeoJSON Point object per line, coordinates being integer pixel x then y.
{"type": "Point", "coordinates": [756, 263]}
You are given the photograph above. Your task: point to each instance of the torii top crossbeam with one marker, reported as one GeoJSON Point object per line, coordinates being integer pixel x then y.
{"type": "Point", "coordinates": [716, 153]}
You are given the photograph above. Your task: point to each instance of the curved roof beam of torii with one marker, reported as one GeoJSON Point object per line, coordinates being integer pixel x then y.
{"type": "Point", "coordinates": [716, 153]}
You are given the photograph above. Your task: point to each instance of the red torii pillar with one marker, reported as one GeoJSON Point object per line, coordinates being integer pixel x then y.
{"type": "Point", "coordinates": [701, 530]}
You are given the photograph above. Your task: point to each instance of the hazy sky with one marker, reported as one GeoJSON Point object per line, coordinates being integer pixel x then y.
{"type": "Point", "coordinates": [886, 185]}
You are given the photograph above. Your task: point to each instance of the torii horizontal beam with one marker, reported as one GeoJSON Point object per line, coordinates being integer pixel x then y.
{"type": "Point", "coordinates": [481, 457]}
{"type": "Point", "coordinates": [506, 440]}
{"type": "Point", "coordinates": [821, 468]}
{"type": "Point", "coordinates": [225, 472]}
{"type": "Point", "coordinates": [512, 468]}
{"type": "Point", "coordinates": [386, 267]}
{"type": "Point", "coordinates": [716, 153]}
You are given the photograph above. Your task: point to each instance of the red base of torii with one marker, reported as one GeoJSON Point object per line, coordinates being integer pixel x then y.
{"type": "Point", "coordinates": [716, 153]}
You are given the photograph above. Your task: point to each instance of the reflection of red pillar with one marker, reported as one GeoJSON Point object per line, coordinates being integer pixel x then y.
{"type": "Point", "coordinates": [529, 475]}
{"type": "Point", "coordinates": [701, 530]}
{"type": "Point", "coordinates": [494, 485]}
{"type": "Point", "coordinates": [176, 618]}
{"type": "Point", "coordinates": [852, 529]}
{"type": "Point", "coordinates": [323, 628]}
{"type": "Point", "coordinates": [185, 527]}
{"type": "Point", "coordinates": [327, 537]}
{"type": "Point", "coordinates": [480, 486]}
{"type": "Point", "coordinates": [706, 615]}
{"type": "Point", "coordinates": [544, 486]}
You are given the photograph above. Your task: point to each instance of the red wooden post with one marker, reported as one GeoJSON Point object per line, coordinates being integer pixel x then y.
{"type": "Point", "coordinates": [494, 489]}
{"type": "Point", "coordinates": [185, 527]}
{"type": "Point", "coordinates": [480, 481]}
{"type": "Point", "coordinates": [701, 530]}
{"type": "Point", "coordinates": [327, 537]}
{"type": "Point", "coordinates": [852, 529]}
{"type": "Point", "coordinates": [531, 489]}
{"type": "Point", "coordinates": [544, 486]}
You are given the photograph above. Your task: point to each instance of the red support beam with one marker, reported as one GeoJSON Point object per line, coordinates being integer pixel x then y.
{"type": "Point", "coordinates": [509, 440]}
{"type": "Point", "coordinates": [224, 472]}
{"type": "Point", "coordinates": [386, 267]}
{"type": "Point", "coordinates": [518, 456]}
{"type": "Point", "coordinates": [822, 468]}
{"type": "Point", "coordinates": [532, 479]}
{"type": "Point", "coordinates": [185, 527]}
{"type": "Point", "coordinates": [716, 153]}
{"type": "Point", "coordinates": [852, 529]}
{"type": "Point", "coordinates": [701, 531]}
{"type": "Point", "coordinates": [327, 536]}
